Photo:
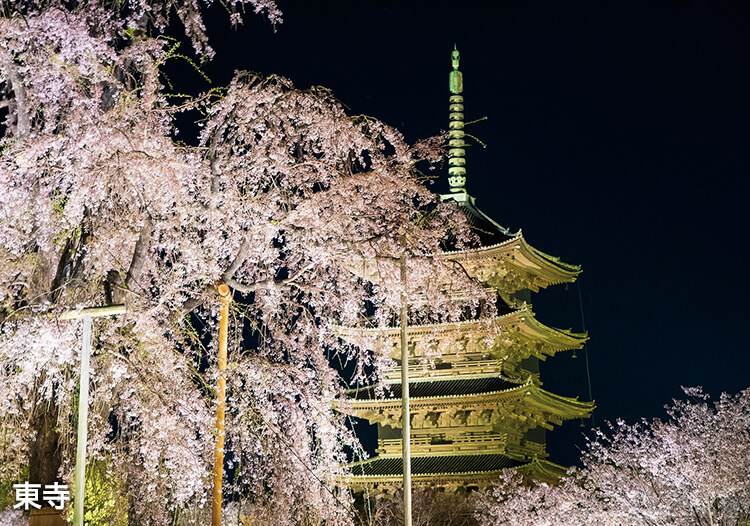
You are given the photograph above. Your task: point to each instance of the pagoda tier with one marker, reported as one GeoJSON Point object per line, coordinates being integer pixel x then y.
{"type": "Point", "coordinates": [505, 261]}
{"type": "Point", "coordinates": [509, 266]}
{"type": "Point", "coordinates": [453, 408]}
{"type": "Point", "coordinates": [469, 348]}
{"type": "Point", "coordinates": [448, 471]}
{"type": "Point", "coordinates": [514, 265]}
{"type": "Point", "coordinates": [463, 432]}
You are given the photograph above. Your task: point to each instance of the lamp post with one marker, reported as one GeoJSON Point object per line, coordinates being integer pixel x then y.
{"type": "Point", "coordinates": [405, 422]}
{"type": "Point", "coordinates": [87, 315]}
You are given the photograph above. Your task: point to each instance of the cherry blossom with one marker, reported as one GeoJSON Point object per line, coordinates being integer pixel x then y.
{"type": "Point", "coordinates": [281, 197]}
{"type": "Point", "coordinates": [690, 469]}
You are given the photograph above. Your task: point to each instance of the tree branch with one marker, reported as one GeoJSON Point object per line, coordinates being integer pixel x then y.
{"type": "Point", "coordinates": [227, 277]}
{"type": "Point", "coordinates": [238, 261]}
{"type": "Point", "coordinates": [247, 289]}
{"type": "Point", "coordinates": [139, 254]}
{"type": "Point", "coordinates": [23, 121]}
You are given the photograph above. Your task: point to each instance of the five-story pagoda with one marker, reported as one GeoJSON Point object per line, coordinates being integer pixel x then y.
{"type": "Point", "coordinates": [481, 409]}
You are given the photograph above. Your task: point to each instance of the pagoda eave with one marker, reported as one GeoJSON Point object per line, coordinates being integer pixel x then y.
{"type": "Point", "coordinates": [445, 470]}
{"type": "Point", "coordinates": [514, 265]}
{"type": "Point", "coordinates": [519, 335]}
{"type": "Point", "coordinates": [543, 471]}
{"type": "Point", "coordinates": [539, 470]}
{"type": "Point", "coordinates": [539, 406]}
{"type": "Point", "coordinates": [481, 479]}
{"type": "Point", "coordinates": [509, 266]}
{"type": "Point", "coordinates": [517, 244]}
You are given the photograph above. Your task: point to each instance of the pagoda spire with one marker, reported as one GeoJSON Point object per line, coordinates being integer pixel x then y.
{"type": "Point", "coordinates": [456, 144]}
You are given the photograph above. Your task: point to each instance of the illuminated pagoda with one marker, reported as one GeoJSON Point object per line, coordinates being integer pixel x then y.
{"type": "Point", "coordinates": [482, 408]}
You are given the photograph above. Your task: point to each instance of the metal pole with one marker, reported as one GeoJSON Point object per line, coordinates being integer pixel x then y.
{"type": "Point", "coordinates": [83, 415]}
{"type": "Point", "coordinates": [95, 312]}
{"type": "Point", "coordinates": [220, 405]}
{"type": "Point", "coordinates": [405, 422]}
{"type": "Point", "coordinates": [83, 398]}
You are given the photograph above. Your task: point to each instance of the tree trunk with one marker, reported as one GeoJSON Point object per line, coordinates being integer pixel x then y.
{"type": "Point", "coordinates": [44, 461]}
{"type": "Point", "coordinates": [45, 456]}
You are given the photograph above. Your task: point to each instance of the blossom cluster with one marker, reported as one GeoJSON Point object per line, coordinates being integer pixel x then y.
{"type": "Point", "coordinates": [282, 195]}
{"type": "Point", "coordinates": [689, 469]}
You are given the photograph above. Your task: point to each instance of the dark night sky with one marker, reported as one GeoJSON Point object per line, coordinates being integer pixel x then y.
{"type": "Point", "coordinates": [617, 138]}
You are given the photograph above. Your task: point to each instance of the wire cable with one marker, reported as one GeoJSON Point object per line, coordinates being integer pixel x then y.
{"type": "Point", "coordinates": [586, 347]}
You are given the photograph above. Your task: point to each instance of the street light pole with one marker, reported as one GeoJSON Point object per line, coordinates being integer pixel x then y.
{"type": "Point", "coordinates": [87, 315]}
{"type": "Point", "coordinates": [83, 418]}
{"type": "Point", "coordinates": [405, 422]}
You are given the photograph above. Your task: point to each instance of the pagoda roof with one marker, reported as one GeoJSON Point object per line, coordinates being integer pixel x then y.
{"type": "Point", "coordinates": [513, 264]}
{"type": "Point", "coordinates": [558, 408]}
{"type": "Point", "coordinates": [437, 388]}
{"type": "Point", "coordinates": [435, 465]}
{"type": "Point", "coordinates": [544, 471]}
{"type": "Point", "coordinates": [518, 242]}
{"type": "Point", "coordinates": [519, 325]}
{"type": "Point", "coordinates": [487, 230]}
{"type": "Point", "coordinates": [452, 469]}
{"type": "Point", "coordinates": [498, 242]}
{"type": "Point", "coordinates": [503, 260]}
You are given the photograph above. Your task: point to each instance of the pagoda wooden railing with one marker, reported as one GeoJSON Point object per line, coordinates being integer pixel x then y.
{"type": "Point", "coordinates": [459, 370]}
{"type": "Point", "coordinates": [458, 445]}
